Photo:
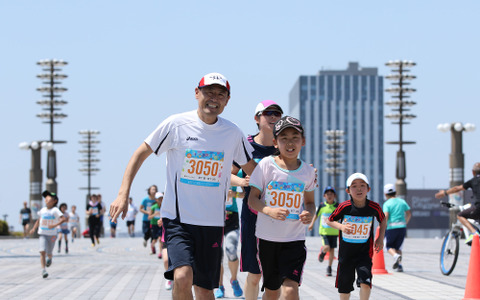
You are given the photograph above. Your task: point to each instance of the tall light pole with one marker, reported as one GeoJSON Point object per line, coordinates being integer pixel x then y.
{"type": "Point", "coordinates": [51, 91]}
{"type": "Point", "coordinates": [334, 141]}
{"type": "Point", "coordinates": [457, 162]}
{"type": "Point", "coordinates": [400, 117]}
{"type": "Point", "coordinates": [89, 161]}
{"type": "Point", "coordinates": [35, 202]}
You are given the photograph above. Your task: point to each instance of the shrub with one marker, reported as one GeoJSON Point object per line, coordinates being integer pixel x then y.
{"type": "Point", "coordinates": [3, 228]}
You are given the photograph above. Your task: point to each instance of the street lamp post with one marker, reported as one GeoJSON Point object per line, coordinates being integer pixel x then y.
{"type": "Point", "coordinates": [457, 162]}
{"type": "Point", "coordinates": [52, 79]}
{"type": "Point", "coordinates": [89, 159]}
{"type": "Point", "coordinates": [334, 153]}
{"type": "Point", "coordinates": [35, 202]}
{"type": "Point", "coordinates": [400, 116]}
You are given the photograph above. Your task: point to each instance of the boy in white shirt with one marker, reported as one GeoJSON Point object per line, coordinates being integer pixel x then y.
{"type": "Point", "coordinates": [282, 191]}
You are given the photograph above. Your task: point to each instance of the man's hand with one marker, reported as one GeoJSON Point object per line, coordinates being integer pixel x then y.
{"type": "Point", "coordinates": [119, 206]}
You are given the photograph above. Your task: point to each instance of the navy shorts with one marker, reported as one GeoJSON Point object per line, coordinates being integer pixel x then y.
{"type": "Point", "coordinates": [248, 251]}
{"type": "Point", "coordinates": [395, 238]}
{"type": "Point", "coordinates": [330, 240]}
{"type": "Point", "coordinates": [281, 260]}
{"type": "Point", "coordinates": [346, 273]}
{"type": "Point", "coordinates": [197, 246]}
{"type": "Point", "coordinates": [156, 231]}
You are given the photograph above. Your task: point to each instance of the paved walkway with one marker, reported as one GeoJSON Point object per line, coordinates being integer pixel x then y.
{"type": "Point", "coordinates": [123, 269]}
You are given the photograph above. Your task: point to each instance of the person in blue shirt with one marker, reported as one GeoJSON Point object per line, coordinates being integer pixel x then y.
{"type": "Point", "coordinates": [145, 208]}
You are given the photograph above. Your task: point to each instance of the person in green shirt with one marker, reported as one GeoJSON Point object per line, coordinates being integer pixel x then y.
{"type": "Point", "coordinates": [397, 212]}
{"type": "Point", "coordinates": [156, 230]}
{"type": "Point", "coordinates": [329, 235]}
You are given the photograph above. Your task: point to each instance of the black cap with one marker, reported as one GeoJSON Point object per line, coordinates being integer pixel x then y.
{"type": "Point", "coordinates": [286, 122]}
{"type": "Point", "coordinates": [47, 193]}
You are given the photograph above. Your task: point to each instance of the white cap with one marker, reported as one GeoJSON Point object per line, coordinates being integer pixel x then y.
{"type": "Point", "coordinates": [389, 189]}
{"type": "Point", "coordinates": [266, 104]}
{"type": "Point", "coordinates": [214, 78]}
{"type": "Point", "coordinates": [356, 176]}
{"type": "Point", "coordinates": [159, 195]}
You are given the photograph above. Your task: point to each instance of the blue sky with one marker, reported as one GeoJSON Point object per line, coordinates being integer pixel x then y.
{"type": "Point", "coordinates": [131, 64]}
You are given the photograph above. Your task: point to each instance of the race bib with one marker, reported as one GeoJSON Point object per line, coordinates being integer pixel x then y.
{"type": "Point", "coordinates": [46, 221]}
{"type": "Point", "coordinates": [25, 216]}
{"type": "Point", "coordinates": [94, 211]}
{"type": "Point", "coordinates": [324, 219]}
{"type": "Point", "coordinates": [202, 168]}
{"type": "Point", "coordinates": [361, 227]}
{"type": "Point", "coordinates": [285, 195]}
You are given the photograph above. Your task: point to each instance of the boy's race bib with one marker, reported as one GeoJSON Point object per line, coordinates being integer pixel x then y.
{"type": "Point", "coordinates": [325, 217]}
{"type": "Point", "coordinates": [202, 168]}
{"type": "Point", "coordinates": [361, 227]}
{"type": "Point", "coordinates": [286, 195]}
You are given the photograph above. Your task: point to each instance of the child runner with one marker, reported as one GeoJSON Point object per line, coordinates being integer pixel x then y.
{"type": "Point", "coordinates": [145, 208]}
{"type": "Point", "coordinates": [131, 215]}
{"type": "Point", "coordinates": [354, 218]}
{"type": "Point", "coordinates": [63, 228]}
{"type": "Point", "coordinates": [94, 209]}
{"type": "Point", "coordinates": [329, 235]}
{"type": "Point", "coordinates": [49, 218]}
{"type": "Point", "coordinates": [74, 222]}
{"type": "Point", "coordinates": [156, 231]}
{"type": "Point", "coordinates": [282, 191]}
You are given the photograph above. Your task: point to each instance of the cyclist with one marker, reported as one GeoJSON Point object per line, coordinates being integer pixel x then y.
{"type": "Point", "coordinates": [474, 211]}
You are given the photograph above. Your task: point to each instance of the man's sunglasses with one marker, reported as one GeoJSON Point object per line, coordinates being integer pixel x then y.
{"type": "Point", "coordinates": [270, 113]}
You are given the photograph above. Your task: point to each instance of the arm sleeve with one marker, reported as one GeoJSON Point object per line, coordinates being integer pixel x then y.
{"type": "Point", "coordinates": [162, 138]}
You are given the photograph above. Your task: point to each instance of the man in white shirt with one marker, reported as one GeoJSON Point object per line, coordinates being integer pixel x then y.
{"type": "Point", "coordinates": [200, 148]}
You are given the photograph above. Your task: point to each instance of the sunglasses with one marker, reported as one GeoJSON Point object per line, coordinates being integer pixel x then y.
{"type": "Point", "coordinates": [270, 113]}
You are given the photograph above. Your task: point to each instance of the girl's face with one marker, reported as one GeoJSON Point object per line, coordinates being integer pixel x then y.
{"type": "Point", "coordinates": [63, 208]}
{"type": "Point", "coordinates": [152, 190]}
{"type": "Point", "coordinates": [289, 142]}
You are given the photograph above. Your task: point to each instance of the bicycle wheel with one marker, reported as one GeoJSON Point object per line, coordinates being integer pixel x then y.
{"type": "Point", "coordinates": [449, 253]}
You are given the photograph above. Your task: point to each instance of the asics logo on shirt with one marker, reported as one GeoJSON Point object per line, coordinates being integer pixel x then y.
{"type": "Point", "coordinates": [192, 138]}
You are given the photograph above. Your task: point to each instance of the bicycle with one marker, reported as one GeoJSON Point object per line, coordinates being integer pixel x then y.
{"type": "Point", "coordinates": [451, 244]}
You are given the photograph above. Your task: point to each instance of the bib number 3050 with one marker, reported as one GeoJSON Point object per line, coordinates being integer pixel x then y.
{"type": "Point", "coordinates": [203, 168]}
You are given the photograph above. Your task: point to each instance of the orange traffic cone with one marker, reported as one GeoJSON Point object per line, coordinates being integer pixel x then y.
{"type": "Point", "coordinates": [472, 288]}
{"type": "Point", "coordinates": [378, 267]}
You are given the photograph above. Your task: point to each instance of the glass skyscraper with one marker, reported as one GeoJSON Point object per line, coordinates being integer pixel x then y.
{"type": "Point", "coordinates": [350, 100]}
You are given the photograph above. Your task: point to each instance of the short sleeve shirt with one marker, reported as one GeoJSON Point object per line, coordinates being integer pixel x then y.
{"type": "Point", "coordinates": [147, 205]}
{"type": "Point", "coordinates": [474, 184]}
{"type": "Point", "coordinates": [48, 217]}
{"type": "Point", "coordinates": [396, 208]}
{"type": "Point", "coordinates": [25, 212]}
{"type": "Point", "coordinates": [282, 188]}
{"type": "Point", "coordinates": [360, 243]}
{"type": "Point", "coordinates": [199, 160]}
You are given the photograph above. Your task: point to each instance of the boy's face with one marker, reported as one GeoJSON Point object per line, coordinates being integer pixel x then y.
{"type": "Point", "coordinates": [329, 196]}
{"type": "Point", "coordinates": [159, 200]}
{"type": "Point", "coordinates": [74, 208]}
{"type": "Point", "coordinates": [358, 189]}
{"type": "Point", "coordinates": [50, 201]}
{"type": "Point", "coordinates": [289, 142]}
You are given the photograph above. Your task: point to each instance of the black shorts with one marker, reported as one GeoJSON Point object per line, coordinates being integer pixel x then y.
{"type": "Point", "coordinates": [330, 240]}
{"type": "Point", "coordinates": [395, 238]}
{"type": "Point", "coordinates": [197, 246]}
{"type": "Point", "coordinates": [248, 251]}
{"type": "Point", "coordinates": [156, 231]}
{"type": "Point", "coordinates": [346, 273]}
{"type": "Point", "coordinates": [130, 223]}
{"type": "Point", "coordinates": [25, 222]}
{"type": "Point", "coordinates": [471, 213]}
{"type": "Point", "coordinates": [279, 261]}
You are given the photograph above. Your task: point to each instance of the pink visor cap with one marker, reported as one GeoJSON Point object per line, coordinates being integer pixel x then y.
{"type": "Point", "coordinates": [266, 104]}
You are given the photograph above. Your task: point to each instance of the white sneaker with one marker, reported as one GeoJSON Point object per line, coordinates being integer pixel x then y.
{"type": "Point", "coordinates": [168, 285]}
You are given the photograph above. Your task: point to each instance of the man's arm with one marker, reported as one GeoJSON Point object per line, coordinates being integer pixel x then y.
{"type": "Point", "coordinates": [445, 193]}
{"type": "Point", "coordinates": [120, 205]}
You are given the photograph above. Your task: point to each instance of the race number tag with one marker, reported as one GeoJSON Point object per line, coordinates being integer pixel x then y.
{"type": "Point", "coordinates": [361, 227]}
{"type": "Point", "coordinates": [94, 211]}
{"type": "Point", "coordinates": [202, 168]}
{"type": "Point", "coordinates": [286, 195]}
{"type": "Point", "coordinates": [46, 221]}
{"type": "Point", "coordinates": [324, 219]}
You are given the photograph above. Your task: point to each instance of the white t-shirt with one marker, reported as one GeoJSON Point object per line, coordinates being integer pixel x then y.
{"type": "Point", "coordinates": [73, 219]}
{"type": "Point", "coordinates": [199, 161]}
{"type": "Point", "coordinates": [282, 188]}
{"type": "Point", "coordinates": [131, 212]}
{"type": "Point", "coordinates": [48, 217]}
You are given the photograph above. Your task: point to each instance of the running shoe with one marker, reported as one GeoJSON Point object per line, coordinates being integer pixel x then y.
{"type": "Point", "coordinates": [398, 260]}
{"type": "Point", "coordinates": [329, 271]}
{"type": "Point", "coordinates": [237, 290]}
{"type": "Point", "coordinates": [44, 273]}
{"type": "Point", "coordinates": [469, 240]}
{"type": "Point", "coordinates": [399, 269]}
{"type": "Point", "coordinates": [93, 244]}
{"type": "Point", "coordinates": [144, 243]}
{"type": "Point", "coordinates": [98, 241]}
{"type": "Point", "coordinates": [48, 263]}
{"type": "Point", "coordinates": [220, 292]}
{"type": "Point", "coordinates": [160, 255]}
{"type": "Point", "coordinates": [58, 251]}
{"type": "Point", "coordinates": [153, 250]}
{"type": "Point", "coordinates": [321, 256]}
{"type": "Point", "coordinates": [168, 285]}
